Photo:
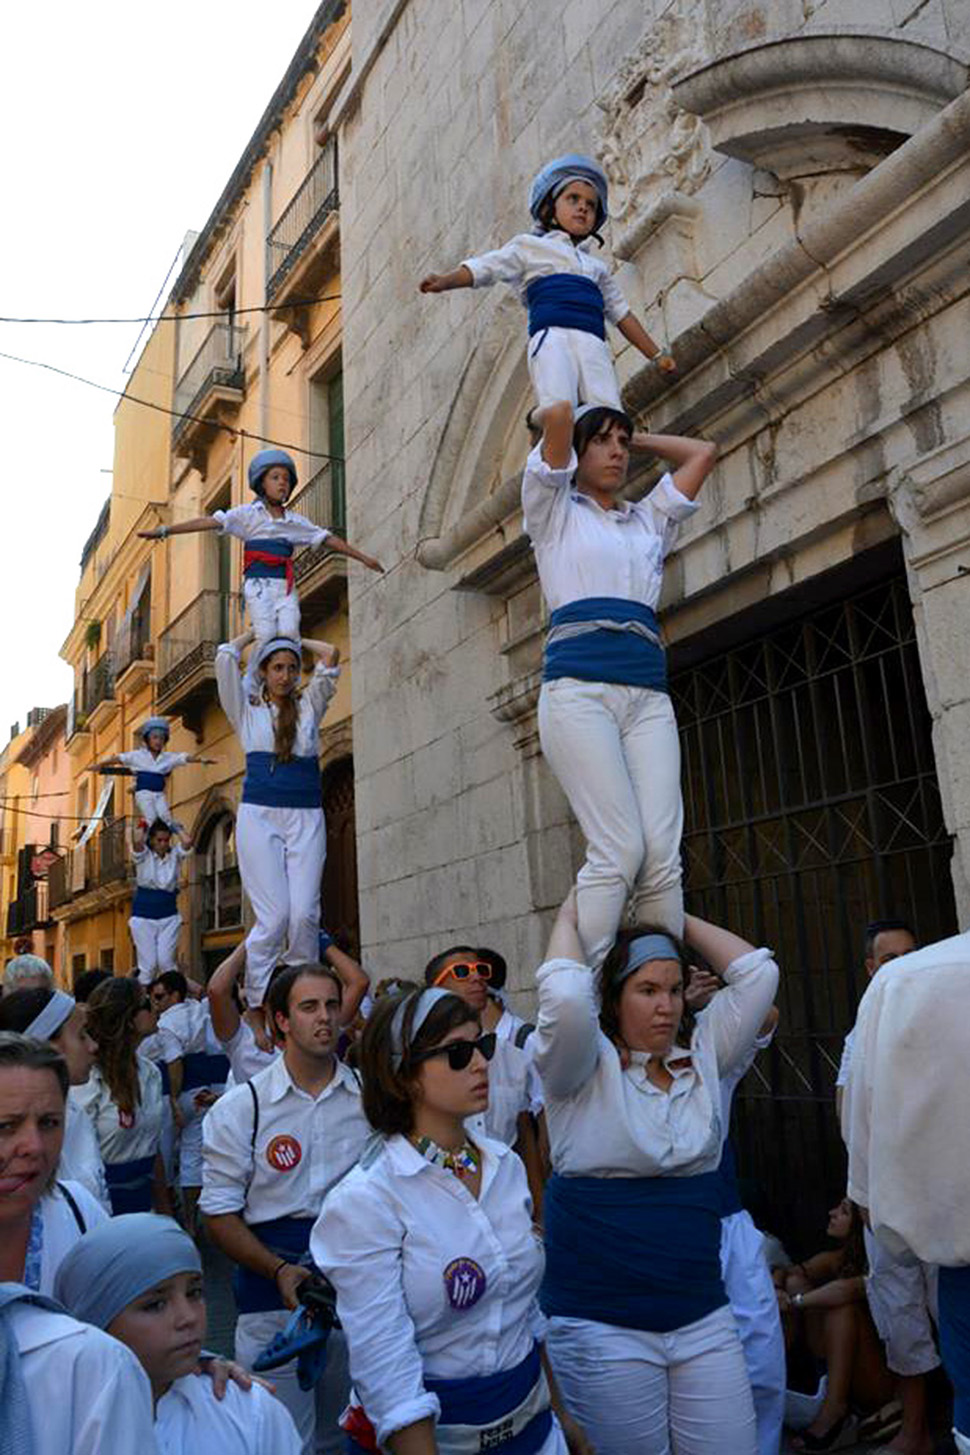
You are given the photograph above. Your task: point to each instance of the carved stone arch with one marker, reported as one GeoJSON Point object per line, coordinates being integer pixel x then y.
{"type": "Point", "coordinates": [336, 742]}
{"type": "Point", "coordinates": [216, 806]}
{"type": "Point", "coordinates": [213, 806]}
{"type": "Point", "coordinates": [468, 490]}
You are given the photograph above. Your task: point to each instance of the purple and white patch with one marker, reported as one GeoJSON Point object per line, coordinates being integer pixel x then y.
{"type": "Point", "coordinates": [465, 1281]}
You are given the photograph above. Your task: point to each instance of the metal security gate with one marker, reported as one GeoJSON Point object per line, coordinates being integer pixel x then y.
{"type": "Point", "coordinates": [811, 808]}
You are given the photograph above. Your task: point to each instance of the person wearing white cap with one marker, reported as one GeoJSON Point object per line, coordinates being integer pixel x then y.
{"type": "Point", "coordinates": [606, 722]}
{"type": "Point", "coordinates": [151, 765]}
{"type": "Point", "coordinates": [139, 1279]}
{"type": "Point", "coordinates": [270, 532]}
{"type": "Point", "coordinates": [281, 836]}
{"type": "Point", "coordinates": [569, 294]}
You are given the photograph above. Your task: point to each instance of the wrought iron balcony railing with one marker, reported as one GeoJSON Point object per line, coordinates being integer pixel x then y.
{"type": "Point", "coordinates": [100, 683]}
{"type": "Point", "coordinates": [218, 362]}
{"type": "Point", "coordinates": [316, 198]}
{"type": "Point", "coordinates": [323, 501]}
{"type": "Point", "coordinates": [112, 852]}
{"type": "Point", "coordinates": [187, 648]}
{"type": "Point", "coordinates": [59, 882]}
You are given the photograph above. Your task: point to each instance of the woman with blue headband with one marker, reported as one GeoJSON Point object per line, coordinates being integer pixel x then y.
{"type": "Point", "coordinates": [139, 1278]}
{"type": "Point", "coordinates": [641, 1335]}
{"type": "Point", "coordinates": [281, 835]}
{"type": "Point", "coordinates": [430, 1245]}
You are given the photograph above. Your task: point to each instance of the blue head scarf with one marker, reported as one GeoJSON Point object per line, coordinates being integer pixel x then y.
{"type": "Point", "coordinates": [118, 1261]}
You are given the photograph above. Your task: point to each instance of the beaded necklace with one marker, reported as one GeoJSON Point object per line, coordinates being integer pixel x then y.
{"type": "Point", "coordinates": [463, 1163]}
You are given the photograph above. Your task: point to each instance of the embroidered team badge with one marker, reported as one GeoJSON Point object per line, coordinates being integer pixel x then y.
{"type": "Point", "coordinates": [284, 1153]}
{"type": "Point", "coordinates": [126, 1120]}
{"type": "Point", "coordinates": [465, 1282]}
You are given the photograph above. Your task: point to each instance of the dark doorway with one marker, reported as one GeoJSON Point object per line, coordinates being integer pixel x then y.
{"type": "Point", "coordinates": [811, 808]}
{"type": "Point", "coordinates": [339, 909]}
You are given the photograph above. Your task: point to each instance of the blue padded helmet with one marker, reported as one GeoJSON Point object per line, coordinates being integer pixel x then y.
{"type": "Point", "coordinates": [554, 176]}
{"type": "Point", "coordinates": [154, 725]}
{"type": "Point", "coordinates": [265, 460]}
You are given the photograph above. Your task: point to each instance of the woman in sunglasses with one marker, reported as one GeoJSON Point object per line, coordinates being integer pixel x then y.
{"type": "Point", "coordinates": [430, 1245]}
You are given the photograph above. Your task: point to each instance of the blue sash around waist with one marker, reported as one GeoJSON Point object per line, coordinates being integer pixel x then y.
{"type": "Point", "coordinates": [565, 300]}
{"type": "Point", "coordinates": [154, 903]}
{"type": "Point", "coordinates": [954, 1328]}
{"type": "Point", "coordinates": [638, 1252]}
{"type": "Point", "coordinates": [288, 1238]}
{"type": "Point", "coordinates": [606, 639]}
{"type": "Point", "coordinates": [727, 1175]}
{"type": "Point", "coordinates": [272, 784]}
{"type": "Point", "coordinates": [200, 1068]}
{"type": "Point", "coordinates": [130, 1185]}
{"type": "Point", "coordinates": [485, 1400]}
{"type": "Point", "coordinates": [148, 781]}
{"type": "Point", "coordinates": [263, 570]}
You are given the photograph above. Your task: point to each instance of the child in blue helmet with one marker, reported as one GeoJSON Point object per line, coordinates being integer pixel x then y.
{"type": "Point", "coordinates": [151, 765]}
{"type": "Point", "coordinates": [269, 532]}
{"type": "Point", "coordinates": [569, 293]}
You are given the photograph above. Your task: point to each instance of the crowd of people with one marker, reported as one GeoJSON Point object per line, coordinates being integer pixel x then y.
{"type": "Point", "coordinates": [531, 1235]}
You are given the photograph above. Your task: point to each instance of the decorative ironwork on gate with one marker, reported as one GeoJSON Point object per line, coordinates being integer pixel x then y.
{"type": "Point", "coordinates": [811, 808]}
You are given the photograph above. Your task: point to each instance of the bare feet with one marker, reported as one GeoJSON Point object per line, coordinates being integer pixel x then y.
{"type": "Point", "coordinates": [256, 1021]}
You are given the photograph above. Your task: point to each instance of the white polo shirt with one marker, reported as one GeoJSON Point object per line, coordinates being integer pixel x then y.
{"type": "Point", "coordinates": [186, 1030]}
{"type": "Point", "coordinates": [254, 522]}
{"type": "Point", "coordinates": [583, 550]}
{"type": "Point", "coordinates": [245, 1056]}
{"type": "Point", "coordinates": [189, 1420]}
{"type": "Point", "coordinates": [531, 255]}
{"type": "Point", "coordinates": [429, 1280]}
{"type": "Point", "coordinates": [303, 1146]}
{"type": "Point", "coordinates": [157, 871]}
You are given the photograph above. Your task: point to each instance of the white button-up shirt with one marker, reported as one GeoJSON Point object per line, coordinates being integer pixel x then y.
{"type": "Point", "coordinates": [143, 760]}
{"type": "Point", "coordinates": [245, 1056]}
{"type": "Point", "coordinates": [583, 550]}
{"type": "Point", "coordinates": [539, 255]}
{"type": "Point", "coordinates": [605, 1121]}
{"type": "Point", "coordinates": [429, 1280]}
{"type": "Point", "coordinates": [254, 522]}
{"type": "Point", "coordinates": [186, 1030]}
{"type": "Point", "coordinates": [255, 722]}
{"type": "Point", "coordinates": [125, 1138]}
{"type": "Point", "coordinates": [304, 1145]}
{"type": "Point", "coordinates": [189, 1420]}
{"type": "Point", "coordinates": [61, 1229]}
{"type": "Point", "coordinates": [80, 1159]}
{"type": "Point", "coordinates": [158, 871]}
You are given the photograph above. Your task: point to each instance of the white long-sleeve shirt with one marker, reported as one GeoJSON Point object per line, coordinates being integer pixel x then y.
{"type": "Point", "coordinates": [245, 1056]}
{"type": "Point", "coordinates": [539, 255]}
{"type": "Point", "coordinates": [143, 760]}
{"type": "Point", "coordinates": [186, 1030]}
{"type": "Point", "coordinates": [189, 1420]}
{"type": "Point", "coordinates": [583, 550]}
{"type": "Point", "coordinates": [80, 1159]}
{"type": "Point", "coordinates": [61, 1229]}
{"type": "Point", "coordinates": [255, 722]}
{"type": "Point", "coordinates": [605, 1121]}
{"type": "Point", "coordinates": [429, 1280]}
{"type": "Point", "coordinates": [87, 1394]}
{"type": "Point", "coordinates": [125, 1137]}
{"type": "Point", "coordinates": [304, 1146]}
{"type": "Point", "coordinates": [158, 871]}
{"type": "Point", "coordinates": [254, 522]}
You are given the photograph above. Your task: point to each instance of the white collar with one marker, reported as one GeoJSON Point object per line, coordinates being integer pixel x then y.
{"type": "Point", "coordinates": [278, 1080]}
{"type": "Point", "coordinates": [622, 510]}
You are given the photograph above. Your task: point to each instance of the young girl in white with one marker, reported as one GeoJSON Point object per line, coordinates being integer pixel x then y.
{"type": "Point", "coordinates": [269, 533]}
{"type": "Point", "coordinates": [139, 1278]}
{"type": "Point", "coordinates": [155, 921]}
{"type": "Point", "coordinates": [430, 1245]}
{"type": "Point", "coordinates": [569, 294]}
{"type": "Point", "coordinates": [281, 836]}
{"type": "Point", "coordinates": [606, 723]}
{"type": "Point", "coordinates": [151, 765]}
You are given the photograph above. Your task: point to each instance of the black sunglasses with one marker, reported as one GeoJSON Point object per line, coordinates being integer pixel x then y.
{"type": "Point", "coordinates": [460, 1053]}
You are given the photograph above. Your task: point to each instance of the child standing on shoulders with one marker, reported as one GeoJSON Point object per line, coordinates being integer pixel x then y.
{"type": "Point", "coordinates": [568, 293]}
{"type": "Point", "coordinates": [270, 533]}
{"type": "Point", "coordinates": [155, 921]}
{"type": "Point", "coordinates": [151, 765]}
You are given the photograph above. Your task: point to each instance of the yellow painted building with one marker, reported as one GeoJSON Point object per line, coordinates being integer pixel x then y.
{"type": "Point", "coordinates": [14, 831]}
{"type": "Point", "coordinates": [244, 354]}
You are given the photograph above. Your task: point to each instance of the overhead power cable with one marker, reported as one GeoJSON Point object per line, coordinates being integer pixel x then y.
{"type": "Point", "coordinates": [178, 317]}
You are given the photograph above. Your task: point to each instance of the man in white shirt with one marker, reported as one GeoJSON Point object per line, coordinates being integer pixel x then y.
{"type": "Point", "coordinates": [901, 1290]}
{"type": "Point", "coordinates": [272, 1149]}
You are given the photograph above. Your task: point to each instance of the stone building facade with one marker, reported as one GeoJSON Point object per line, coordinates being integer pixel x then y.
{"type": "Point", "coordinates": [789, 186]}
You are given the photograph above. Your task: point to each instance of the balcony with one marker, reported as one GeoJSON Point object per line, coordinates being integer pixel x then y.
{"type": "Point", "coordinates": [320, 575]}
{"type": "Point", "coordinates": [59, 882]}
{"type": "Point", "coordinates": [209, 392]}
{"type": "Point", "coordinates": [98, 689]}
{"type": "Point", "coordinates": [30, 911]}
{"type": "Point", "coordinates": [301, 247]}
{"type": "Point", "coordinates": [133, 650]}
{"type": "Point", "coordinates": [112, 852]}
{"type": "Point", "coordinates": [187, 652]}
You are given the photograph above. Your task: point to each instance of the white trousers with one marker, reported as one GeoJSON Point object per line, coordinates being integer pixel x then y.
{"type": "Point", "coordinates": [901, 1291]}
{"type": "Point", "coordinates": [566, 363]}
{"type": "Point", "coordinates": [754, 1305]}
{"type": "Point", "coordinates": [315, 1412]}
{"type": "Point", "coordinates": [616, 753]}
{"type": "Point", "coordinates": [273, 612]}
{"type": "Point", "coordinates": [150, 805]}
{"type": "Point", "coordinates": [683, 1393]}
{"type": "Point", "coordinates": [962, 1442]}
{"type": "Point", "coordinates": [156, 941]}
{"type": "Point", "coordinates": [281, 852]}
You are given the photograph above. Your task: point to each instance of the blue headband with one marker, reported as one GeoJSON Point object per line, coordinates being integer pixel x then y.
{"type": "Point", "coordinates": [279, 644]}
{"type": "Point", "coordinates": [119, 1260]}
{"type": "Point", "coordinates": [644, 949]}
{"type": "Point", "coordinates": [426, 1002]}
{"type": "Point", "coordinates": [49, 1021]}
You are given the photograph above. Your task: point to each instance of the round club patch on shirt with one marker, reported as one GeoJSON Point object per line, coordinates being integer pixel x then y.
{"type": "Point", "coordinates": [465, 1282]}
{"type": "Point", "coordinates": [126, 1120]}
{"type": "Point", "coordinates": [284, 1153]}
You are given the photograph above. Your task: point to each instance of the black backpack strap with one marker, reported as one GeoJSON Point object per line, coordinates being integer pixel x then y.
{"type": "Point", "coordinates": [71, 1201]}
{"type": "Point", "coordinates": [252, 1137]}
{"type": "Point", "coordinates": [523, 1034]}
